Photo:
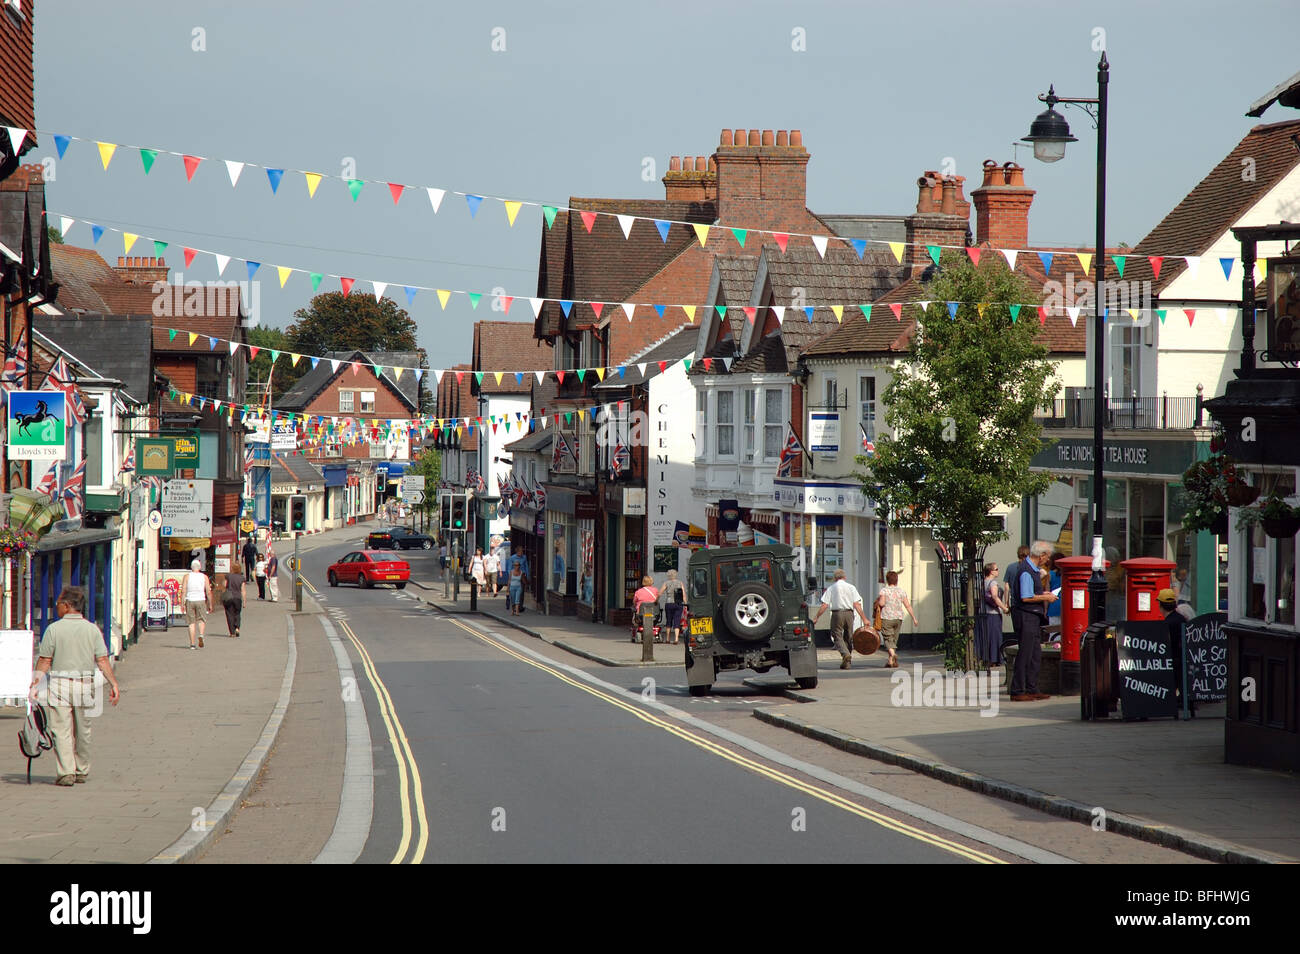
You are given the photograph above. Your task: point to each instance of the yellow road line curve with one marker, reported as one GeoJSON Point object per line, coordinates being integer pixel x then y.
{"type": "Point", "coordinates": [775, 775]}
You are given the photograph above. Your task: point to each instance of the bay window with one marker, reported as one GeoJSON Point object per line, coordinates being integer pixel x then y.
{"type": "Point", "coordinates": [751, 399]}
{"type": "Point", "coordinates": [773, 423]}
{"type": "Point", "coordinates": [726, 423]}
{"type": "Point", "coordinates": [701, 422]}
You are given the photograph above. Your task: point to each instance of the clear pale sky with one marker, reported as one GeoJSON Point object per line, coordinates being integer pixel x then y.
{"type": "Point", "coordinates": [582, 93]}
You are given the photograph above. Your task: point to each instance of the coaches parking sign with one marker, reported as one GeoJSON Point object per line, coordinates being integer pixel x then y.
{"type": "Point", "coordinates": [36, 425]}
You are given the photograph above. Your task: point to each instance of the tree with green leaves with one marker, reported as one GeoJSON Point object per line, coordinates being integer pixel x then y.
{"type": "Point", "coordinates": [268, 340]}
{"type": "Point", "coordinates": [961, 410]}
{"type": "Point", "coordinates": [338, 322]}
{"type": "Point", "coordinates": [428, 464]}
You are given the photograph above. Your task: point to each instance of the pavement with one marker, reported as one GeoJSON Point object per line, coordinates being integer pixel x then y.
{"type": "Point", "coordinates": [1160, 781]}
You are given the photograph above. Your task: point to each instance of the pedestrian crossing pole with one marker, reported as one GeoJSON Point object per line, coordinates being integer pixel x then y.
{"type": "Point", "coordinates": [297, 576]}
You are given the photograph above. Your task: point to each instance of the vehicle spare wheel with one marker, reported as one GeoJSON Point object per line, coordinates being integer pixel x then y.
{"type": "Point", "coordinates": [749, 611]}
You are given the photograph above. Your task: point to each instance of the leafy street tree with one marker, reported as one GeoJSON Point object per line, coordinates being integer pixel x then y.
{"type": "Point", "coordinates": [961, 410]}
{"type": "Point", "coordinates": [334, 322]}
{"type": "Point", "coordinates": [268, 340]}
{"type": "Point", "coordinates": [428, 464]}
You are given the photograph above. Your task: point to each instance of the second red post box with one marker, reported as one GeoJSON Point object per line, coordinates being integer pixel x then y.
{"type": "Point", "coordinates": [1144, 578]}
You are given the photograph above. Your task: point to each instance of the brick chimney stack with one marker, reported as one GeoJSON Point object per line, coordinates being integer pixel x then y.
{"type": "Point", "coordinates": [762, 177]}
{"type": "Point", "coordinates": [141, 271]}
{"type": "Point", "coordinates": [942, 217]}
{"type": "Point", "coordinates": [1002, 206]}
{"type": "Point", "coordinates": [691, 179]}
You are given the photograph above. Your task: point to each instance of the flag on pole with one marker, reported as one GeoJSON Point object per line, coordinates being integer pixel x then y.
{"type": "Point", "coordinates": [60, 377]}
{"type": "Point", "coordinates": [561, 450]}
{"type": "Point", "coordinates": [868, 445]}
{"type": "Point", "coordinates": [789, 453]}
{"type": "Point", "coordinates": [72, 488]}
{"type": "Point", "coordinates": [15, 367]}
{"type": "Point", "coordinates": [128, 465]}
{"type": "Point", "coordinates": [50, 482]}
{"type": "Point", "coordinates": [620, 461]}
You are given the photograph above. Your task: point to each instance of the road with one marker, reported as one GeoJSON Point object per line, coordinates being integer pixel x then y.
{"type": "Point", "coordinates": [487, 751]}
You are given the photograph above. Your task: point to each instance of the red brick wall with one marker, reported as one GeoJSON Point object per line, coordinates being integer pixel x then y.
{"type": "Point", "coordinates": [387, 404]}
{"type": "Point", "coordinates": [1002, 206]}
{"type": "Point", "coordinates": [182, 372]}
{"type": "Point", "coordinates": [17, 102]}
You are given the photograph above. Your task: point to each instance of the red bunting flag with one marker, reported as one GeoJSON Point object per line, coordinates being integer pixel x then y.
{"type": "Point", "coordinates": [974, 254]}
{"type": "Point", "coordinates": [708, 364]}
{"type": "Point", "coordinates": [395, 190]}
{"type": "Point", "coordinates": [347, 285]}
{"type": "Point", "coordinates": [1156, 261]}
{"type": "Point", "coordinates": [663, 366]}
{"type": "Point", "coordinates": [897, 309]}
{"type": "Point", "coordinates": [252, 352]}
{"type": "Point", "coordinates": [596, 306]}
{"type": "Point", "coordinates": [588, 219]}
{"type": "Point", "coordinates": [1042, 315]}
{"type": "Point", "coordinates": [559, 376]}
{"type": "Point", "coordinates": [356, 368]}
{"type": "Point", "coordinates": [781, 239]}
{"type": "Point", "coordinates": [191, 163]}
{"type": "Point", "coordinates": [460, 375]}
{"type": "Point", "coordinates": [750, 313]}
{"type": "Point", "coordinates": [189, 257]}
{"type": "Point", "coordinates": [505, 302]}
{"type": "Point", "coordinates": [1191, 315]}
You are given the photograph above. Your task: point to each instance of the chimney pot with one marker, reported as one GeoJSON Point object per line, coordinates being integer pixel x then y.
{"type": "Point", "coordinates": [701, 164]}
{"type": "Point", "coordinates": [1015, 175]}
{"type": "Point", "coordinates": [753, 137]}
{"type": "Point", "coordinates": [725, 140]}
{"type": "Point", "coordinates": [992, 174]}
{"type": "Point", "coordinates": [121, 262]}
{"type": "Point", "coordinates": [948, 205]}
{"type": "Point", "coordinates": [713, 166]}
{"type": "Point", "coordinates": [796, 137]}
{"type": "Point", "coordinates": [768, 137]}
{"type": "Point", "coordinates": [782, 137]}
{"type": "Point", "coordinates": [674, 163]}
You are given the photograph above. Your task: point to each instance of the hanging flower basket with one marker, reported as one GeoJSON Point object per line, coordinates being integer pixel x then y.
{"type": "Point", "coordinates": [1281, 528]}
{"type": "Point", "coordinates": [1242, 494]}
{"type": "Point", "coordinates": [14, 543]}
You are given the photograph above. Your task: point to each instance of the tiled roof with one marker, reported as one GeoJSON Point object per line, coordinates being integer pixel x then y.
{"type": "Point", "coordinates": [602, 265]}
{"type": "Point", "coordinates": [885, 333]}
{"type": "Point", "coordinates": [672, 347]}
{"type": "Point", "coordinates": [306, 388]}
{"type": "Point", "coordinates": [873, 228]}
{"type": "Point", "coordinates": [1217, 202]}
{"type": "Point", "coordinates": [119, 345]}
{"type": "Point", "coordinates": [294, 468]}
{"type": "Point", "coordinates": [455, 399]}
{"type": "Point", "coordinates": [226, 329]}
{"type": "Point", "coordinates": [768, 358]}
{"type": "Point", "coordinates": [508, 346]}
{"type": "Point", "coordinates": [78, 271]}
{"type": "Point", "coordinates": [534, 443]}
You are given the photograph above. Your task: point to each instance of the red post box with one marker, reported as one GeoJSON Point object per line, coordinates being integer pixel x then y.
{"type": "Point", "coordinates": [1075, 572]}
{"type": "Point", "coordinates": [1144, 578]}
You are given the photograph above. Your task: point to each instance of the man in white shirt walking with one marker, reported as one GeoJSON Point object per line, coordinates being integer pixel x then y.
{"type": "Point", "coordinates": [843, 600]}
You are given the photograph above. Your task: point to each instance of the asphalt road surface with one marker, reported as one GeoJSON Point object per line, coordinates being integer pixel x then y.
{"type": "Point", "coordinates": [487, 751]}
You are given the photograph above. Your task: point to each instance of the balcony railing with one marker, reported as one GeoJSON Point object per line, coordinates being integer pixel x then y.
{"type": "Point", "coordinates": [1134, 413]}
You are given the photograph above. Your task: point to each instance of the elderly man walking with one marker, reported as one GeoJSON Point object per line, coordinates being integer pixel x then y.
{"type": "Point", "coordinates": [843, 600]}
{"type": "Point", "coordinates": [71, 649]}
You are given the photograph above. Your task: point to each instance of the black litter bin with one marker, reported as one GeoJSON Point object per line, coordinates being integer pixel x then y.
{"type": "Point", "coordinates": [1098, 673]}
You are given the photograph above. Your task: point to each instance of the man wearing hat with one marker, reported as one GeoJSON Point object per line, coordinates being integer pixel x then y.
{"type": "Point", "coordinates": [1176, 614]}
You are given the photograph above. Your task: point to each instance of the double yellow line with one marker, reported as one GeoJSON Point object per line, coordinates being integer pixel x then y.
{"type": "Point", "coordinates": [829, 797]}
{"type": "Point", "coordinates": [411, 788]}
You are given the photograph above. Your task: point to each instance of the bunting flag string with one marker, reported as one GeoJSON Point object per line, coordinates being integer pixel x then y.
{"type": "Point", "coordinates": [378, 288]}
{"type": "Point", "coordinates": [511, 206]}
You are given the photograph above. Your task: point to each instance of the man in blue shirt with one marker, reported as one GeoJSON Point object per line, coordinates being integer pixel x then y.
{"type": "Point", "coordinates": [1029, 602]}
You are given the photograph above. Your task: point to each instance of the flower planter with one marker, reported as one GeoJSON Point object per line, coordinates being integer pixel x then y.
{"type": "Point", "coordinates": [1242, 495]}
{"type": "Point", "coordinates": [1281, 528]}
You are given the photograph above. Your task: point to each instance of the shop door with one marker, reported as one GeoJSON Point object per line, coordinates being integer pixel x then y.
{"type": "Point", "coordinates": [613, 563]}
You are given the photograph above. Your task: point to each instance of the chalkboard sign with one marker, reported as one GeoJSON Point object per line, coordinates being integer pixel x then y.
{"type": "Point", "coordinates": [1147, 681]}
{"type": "Point", "coordinates": [1207, 657]}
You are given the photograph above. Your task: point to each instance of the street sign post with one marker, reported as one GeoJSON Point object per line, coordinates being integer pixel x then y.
{"type": "Point", "coordinates": [187, 508]}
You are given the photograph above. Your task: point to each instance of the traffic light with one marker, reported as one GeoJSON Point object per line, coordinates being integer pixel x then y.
{"type": "Point", "coordinates": [445, 520]}
{"type": "Point", "coordinates": [458, 512]}
{"type": "Point", "coordinates": [298, 513]}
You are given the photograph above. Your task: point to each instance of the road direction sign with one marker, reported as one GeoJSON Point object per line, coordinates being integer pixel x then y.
{"type": "Point", "coordinates": [187, 508]}
{"type": "Point", "coordinates": [413, 497]}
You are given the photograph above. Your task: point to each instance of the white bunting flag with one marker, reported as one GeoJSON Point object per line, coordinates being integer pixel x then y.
{"type": "Point", "coordinates": [779, 311]}
{"type": "Point", "coordinates": [540, 376]}
{"type": "Point", "coordinates": [1193, 263]}
{"type": "Point", "coordinates": [234, 346]}
{"type": "Point", "coordinates": [641, 367]}
{"type": "Point", "coordinates": [437, 376]}
{"type": "Point", "coordinates": [819, 242]}
{"type": "Point", "coordinates": [1010, 254]}
{"type": "Point", "coordinates": [628, 308]}
{"type": "Point", "coordinates": [1074, 315]}
{"type": "Point", "coordinates": [379, 289]}
{"type": "Point", "coordinates": [1226, 315]}
{"type": "Point", "coordinates": [537, 305]}
{"type": "Point", "coordinates": [65, 223]}
{"type": "Point", "coordinates": [222, 262]}
{"type": "Point", "coordinates": [435, 196]}
{"type": "Point", "coordinates": [16, 137]}
{"type": "Point", "coordinates": [234, 169]}
{"type": "Point", "coordinates": [625, 222]}
{"type": "Point", "coordinates": [334, 364]}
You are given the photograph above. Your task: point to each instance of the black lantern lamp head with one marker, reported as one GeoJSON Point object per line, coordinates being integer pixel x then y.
{"type": "Point", "coordinates": [1049, 132]}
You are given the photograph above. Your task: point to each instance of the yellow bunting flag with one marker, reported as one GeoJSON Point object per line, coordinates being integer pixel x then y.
{"type": "Point", "coordinates": [284, 274]}
{"type": "Point", "coordinates": [498, 374]}
{"type": "Point", "coordinates": [294, 358]}
{"type": "Point", "coordinates": [1085, 260]}
{"type": "Point", "coordinates": [512, 209]}
{"type": "Point", "coordinates": [897, 249]}
{"type": "Point", "coordinates": [128, 239]}
{"type": "Point", "coordinates": [313, 180]}
{"type": "Point", "coordinates": [397, 373]}
{"type": "Point", "coordinates": [981, 307]}
{"type": "Point", "coordinates": [193, 337]}
{"type": "Point", "coordinates": [838, 311]}
{"type": "Point", "coordinates": [702, 233]}
{"type": "Point", "coordinates": [600, 374]}
{"type": "Point", "coordinates": [1132, 313]}
{"type": "Point", "coordinates": [106, 150]}
{"type": "Point", "coordinates": [690, 313]}
{"type": "Point", "coordinates": [443, 296]}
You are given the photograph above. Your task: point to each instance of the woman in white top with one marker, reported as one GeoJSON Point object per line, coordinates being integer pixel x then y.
{"type": "Point", "coordinates": [259, 568]}
{"type": "Point", "coordinates": [476, 568]}
{"type": "Point", "coordinates": [198, 596]}
{"type": "Point", "coordinates": [491, 564]}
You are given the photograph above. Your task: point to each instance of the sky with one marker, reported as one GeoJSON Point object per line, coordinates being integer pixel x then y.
{"type": "Point", "coordinates": [546, 101]}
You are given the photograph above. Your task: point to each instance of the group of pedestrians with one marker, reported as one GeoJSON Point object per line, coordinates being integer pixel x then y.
{"type": "Point", "coordinates": [669, 602]}
{"type": "Point", "coordinates": [843, 600]}
{"type": "Point", "coordinates": [1029, 593]}
{"type": "Point", "coordinates": [500, 571]}
{"type": "Point", "coordinates": [263, 568]}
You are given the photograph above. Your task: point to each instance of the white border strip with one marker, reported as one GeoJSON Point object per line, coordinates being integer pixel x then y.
{"type": "Point", "coordinates": [357, 800]}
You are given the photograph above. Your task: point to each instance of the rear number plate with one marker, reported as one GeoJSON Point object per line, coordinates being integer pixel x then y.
{"type": "Point", "coordinates": [702, 626]}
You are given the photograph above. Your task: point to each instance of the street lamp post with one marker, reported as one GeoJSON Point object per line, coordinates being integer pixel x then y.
{"type": "Point", "coordinates": [1049, 134]}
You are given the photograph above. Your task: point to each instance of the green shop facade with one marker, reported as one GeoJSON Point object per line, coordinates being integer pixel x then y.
{"type": "Point", "coordinates": [1144, 510]}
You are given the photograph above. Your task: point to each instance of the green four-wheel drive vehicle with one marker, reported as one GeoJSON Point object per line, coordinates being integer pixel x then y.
{"type": "Point", "coordinates": [747, 611]}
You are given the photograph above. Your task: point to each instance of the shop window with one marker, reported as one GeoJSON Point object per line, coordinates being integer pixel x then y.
{"type": "Point", "coordinates": [1146, 531]}
{"type": "Point", "coordinates": [1284, 582]}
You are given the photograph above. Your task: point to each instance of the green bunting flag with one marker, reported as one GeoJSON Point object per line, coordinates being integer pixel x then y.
{"type": "Point", "coordinates": [147, 156]}
{"type": "Point", "coordinates": [568, 417]}
{"type": "Point", "coordinates": [582, 373]}
{"type": "Point", "coordinates": [549, 212]}
{"type": "Point", "coordinates": [354, 186]}
{"type": "Point", "coordinates": [315, 280]}
{"type": "Point", "coordinates": [474, 298]}
{"type": "Point", "coordinates": [687, 363]}
{"type": "Point", "coordinates": [866, 311]}
{"type": "Point", "coordinates": [740, 236]}
{"type": "Point", "coordinates": [479, 376]}
{"type": "Point", "coordinates": [1119, 261]}
{"type": "Point", "coordinates": [721, 310]}
{"type": "Point", "coordinates": [159, 248]}
{"type": "Point", "coordinates": [1160, 313]}
{"type": "Point", "coordinates": [1015, 313]}
{"type": "Point", "coordinates": [934, 253]}
{"type": "Point", "coordinates": [171, 334]}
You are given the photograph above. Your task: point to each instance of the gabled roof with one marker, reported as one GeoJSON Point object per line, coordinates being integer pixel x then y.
{"type": "Point", "coordinates": [507, 346]}
{"type": "Point", "coordinates": [602, 265]}
{"type": "Point", "coordinates": [884, 333]}
{"type": "Point", "coordinates": [225, 329]}
{"type": "Point", "coordinates": [311, 384]}
{"type": "Point", "coordinates": [672, 347]}
{"type": "Point", "coordinates": [78, 271]}
{"type": "Point", "coordinates": [455, 399]}
{"type": "Point", "coordinates": [1217, 202]}
{"type": "Point", "coordinates": [120, 345]}
{"type": "Point", "coordinates": [294, 468]}
{"type": "Point", "coordinates": [535, 443]}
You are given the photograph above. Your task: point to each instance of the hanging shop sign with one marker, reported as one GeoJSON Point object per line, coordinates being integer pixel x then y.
{"type": "Point", "coordinates": [36, 420]}
{"type": "Point", "coordinates": [824, 432]}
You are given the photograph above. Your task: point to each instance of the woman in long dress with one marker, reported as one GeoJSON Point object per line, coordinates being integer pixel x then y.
{"type": "Point", "coordinates": [988, 634]}
{"type": "Point", "coordinates": [476, 570]}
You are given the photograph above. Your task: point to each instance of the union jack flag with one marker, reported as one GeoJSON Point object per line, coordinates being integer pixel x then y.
{"type": "Point", "coordinates": [561, 450]}
{"type": "Point", "coordinates": [61, 377]}
{"type": "Point", "coordinates": [128, 465]}
{"type": "Point", "coordinates": [789, 453]}
{"type": "Point", "coordinates": [49, 484]}
{"type": "Point", "coordinates": [539, 496]}
{"type": "Point", "coordinates": [72, 488]}
{"type": "Point", "coordinates": [620, 461]}
{"type": "Point", "coordinates": [868, 445]}
{"type": "Point", "coordinates": [15, 367]}
{"type": "Point", "coordinates": [520, 493]}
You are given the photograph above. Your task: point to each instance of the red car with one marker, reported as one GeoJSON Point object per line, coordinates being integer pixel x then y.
{"type": "Point", "coordinates": [368, 567]}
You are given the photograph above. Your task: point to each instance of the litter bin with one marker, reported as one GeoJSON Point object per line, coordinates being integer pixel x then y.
{"type": "Point", "coordinates": [1099, 673]}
